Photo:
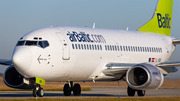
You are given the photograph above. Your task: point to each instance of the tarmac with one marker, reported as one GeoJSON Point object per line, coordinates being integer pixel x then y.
{"type": "Point", "coordinates": [94, 93]}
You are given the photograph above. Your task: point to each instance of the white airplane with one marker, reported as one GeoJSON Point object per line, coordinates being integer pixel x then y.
{"type": "Point", "coordinates": [90, 54]}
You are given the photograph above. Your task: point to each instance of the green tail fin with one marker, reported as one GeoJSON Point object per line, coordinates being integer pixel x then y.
{"type": "Point", "coordinates": [161, 21]}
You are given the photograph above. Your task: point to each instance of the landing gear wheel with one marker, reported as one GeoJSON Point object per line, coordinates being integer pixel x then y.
{"type": "Point", "coordinates": [40, 92]}
{"type": "Point", "coordinates": [130, 91]}
{"type": "Point", "coordinates": [67, 90]}
{"type": "Point", "coordinates": [77, 90]}
{"type": "Point", "coordinates": [141, 92]}
{"type": "Point", "coordinates": [34, 92]}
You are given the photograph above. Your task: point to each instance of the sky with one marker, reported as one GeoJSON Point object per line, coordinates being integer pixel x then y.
{"type": "Point", "coordinates": [18, 17]}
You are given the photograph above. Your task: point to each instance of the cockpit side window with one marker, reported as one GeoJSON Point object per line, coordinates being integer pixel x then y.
{"type": "Point", "coordinates": [43, 44]}
{"type": "Point", "coordinates": [20, 43]}
{"type": "Point", "coordinates": [31, 43]}
{"type": "Point", "coordinates": [40, 44]}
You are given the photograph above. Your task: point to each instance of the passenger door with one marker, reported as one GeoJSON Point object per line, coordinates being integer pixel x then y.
{"type": "Point", "coordinates": [65, 46]}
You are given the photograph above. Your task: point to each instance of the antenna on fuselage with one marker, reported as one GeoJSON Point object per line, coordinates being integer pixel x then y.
{"type": "Point", "coordinates": [127, 28]}
{"type": "Point", "coordinates": [94, 25]}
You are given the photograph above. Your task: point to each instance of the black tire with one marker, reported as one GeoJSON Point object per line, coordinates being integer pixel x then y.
{"type": "Point", "coordinates": [77, 90]}
{"type": "Point", "coordinates": [130, 91]}
{"type": "Point", "coordinates": [67, 90]}
{"type": "Point", "coordinates": [34, 92]}
{"type": "Point", "coordinates": [141, 92]}
{"type": "Point", "coordinates": [40, 92]}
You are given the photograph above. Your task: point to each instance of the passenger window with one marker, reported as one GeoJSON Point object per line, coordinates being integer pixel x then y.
{"type": "Point", "coordinates": [118, 48]}
{"type": "Point", "coordinates": [129, 48]}
{"type": "Point", "coordinates": [73, 46]}
{"type": "Point", "coordinates": [95, 47]}
{"type": "Point", "coordinates": [136, 49]}
{"type": "Point", "coordinates": [126, 48]}
{"type": "Point", "coordinates": [81, 46]}
{"type": "Point", "coordinates": [87, 47]}
{"type": "Point", "coordinates": [20, 43]}
{"type": "Point", "coordinates": [84, 46]}
{"type": "Point", "coordinates": [100, 47]}
{"type": "Point", "coordinates": [108, 47]}
{"type": "Point", "coordinates": [76, 46]}
{"type": "Point", "coordinates": [113, 48]}
{"type": "Point", "coordinates": [92, 47]}
{"type": "Point", "coordinates": [105, 47]}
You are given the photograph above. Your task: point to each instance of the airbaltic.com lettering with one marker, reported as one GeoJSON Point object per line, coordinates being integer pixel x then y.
{"type": "Point", "coordinates": [82, 37]}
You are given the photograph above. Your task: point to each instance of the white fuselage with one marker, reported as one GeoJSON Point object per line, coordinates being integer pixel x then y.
{"type": "Point", "coordinates": [64, 60]}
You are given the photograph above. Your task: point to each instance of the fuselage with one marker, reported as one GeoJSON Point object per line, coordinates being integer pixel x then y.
{"type": "Point", "coordinates": [80, 54]}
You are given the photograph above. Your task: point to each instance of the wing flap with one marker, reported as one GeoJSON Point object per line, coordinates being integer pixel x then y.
{"type": "Point", "coordinates": [5, 62]}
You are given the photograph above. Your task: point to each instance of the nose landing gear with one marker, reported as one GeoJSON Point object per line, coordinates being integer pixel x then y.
{"type": "Point", "coordinates": [38, 91]}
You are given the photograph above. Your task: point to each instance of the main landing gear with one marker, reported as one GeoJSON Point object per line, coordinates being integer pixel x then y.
{"type": "Point", "coordinates": [69, 87]}
{"type": "Point", "coordinates": [38, 91]}
{"type": "Point", "coordinates": [131, 92]}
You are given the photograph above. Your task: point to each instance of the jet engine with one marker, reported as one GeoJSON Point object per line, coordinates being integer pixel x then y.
{"type": "Point", "coordinates": [144, 77]}
{"type": "Point", "coordinates": [15, 80]}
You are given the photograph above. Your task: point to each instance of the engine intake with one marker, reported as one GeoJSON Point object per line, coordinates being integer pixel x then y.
{"type": "Point", "coordinates": [15, 80]}
{"type": "Point", "coordinates": [144, 77]}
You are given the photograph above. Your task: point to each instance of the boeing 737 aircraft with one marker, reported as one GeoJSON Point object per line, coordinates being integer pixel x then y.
{"type": "Point", "coordinates": [89, 54]}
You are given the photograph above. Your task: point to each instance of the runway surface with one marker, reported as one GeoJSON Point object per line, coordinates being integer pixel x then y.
{"type": "Point", "coordinates": [96, 92]}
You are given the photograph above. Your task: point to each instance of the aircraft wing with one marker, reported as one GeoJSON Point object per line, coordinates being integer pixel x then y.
{"type": "Point", "coordinates": [5, 62]}
{"type": "Point", "coordinates": [168, 67]}
{"type": "Point", "coordinates": [176, 42]}
{"type": "Point", "coordinates": [119, 69]}
{"type": "Point", "coordinates": [116, 69]}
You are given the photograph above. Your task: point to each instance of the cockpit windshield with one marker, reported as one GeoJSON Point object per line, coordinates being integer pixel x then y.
{"type": "Point", "coordinates": [42, 44]}
{"type": "Point", "coordinates": [31, 43]}
{"type": "Point", "coordinates": [20, 43]}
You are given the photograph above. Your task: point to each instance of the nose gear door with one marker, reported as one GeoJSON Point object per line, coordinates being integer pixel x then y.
{"type": "Point", "coordinates": [65, 46]}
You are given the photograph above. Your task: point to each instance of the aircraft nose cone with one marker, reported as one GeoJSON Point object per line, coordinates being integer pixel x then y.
{"type": "Point", "coordinates": [22, 58]}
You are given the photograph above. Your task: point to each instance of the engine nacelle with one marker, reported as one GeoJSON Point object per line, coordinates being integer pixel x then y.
{"type": "Point", "coordinates": [15, 80]}
{"type": "Point", "coordinates": [144, 77]}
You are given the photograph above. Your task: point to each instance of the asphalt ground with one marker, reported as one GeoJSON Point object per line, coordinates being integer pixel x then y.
{"type": "Point", "coordinates": [94, 93]}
